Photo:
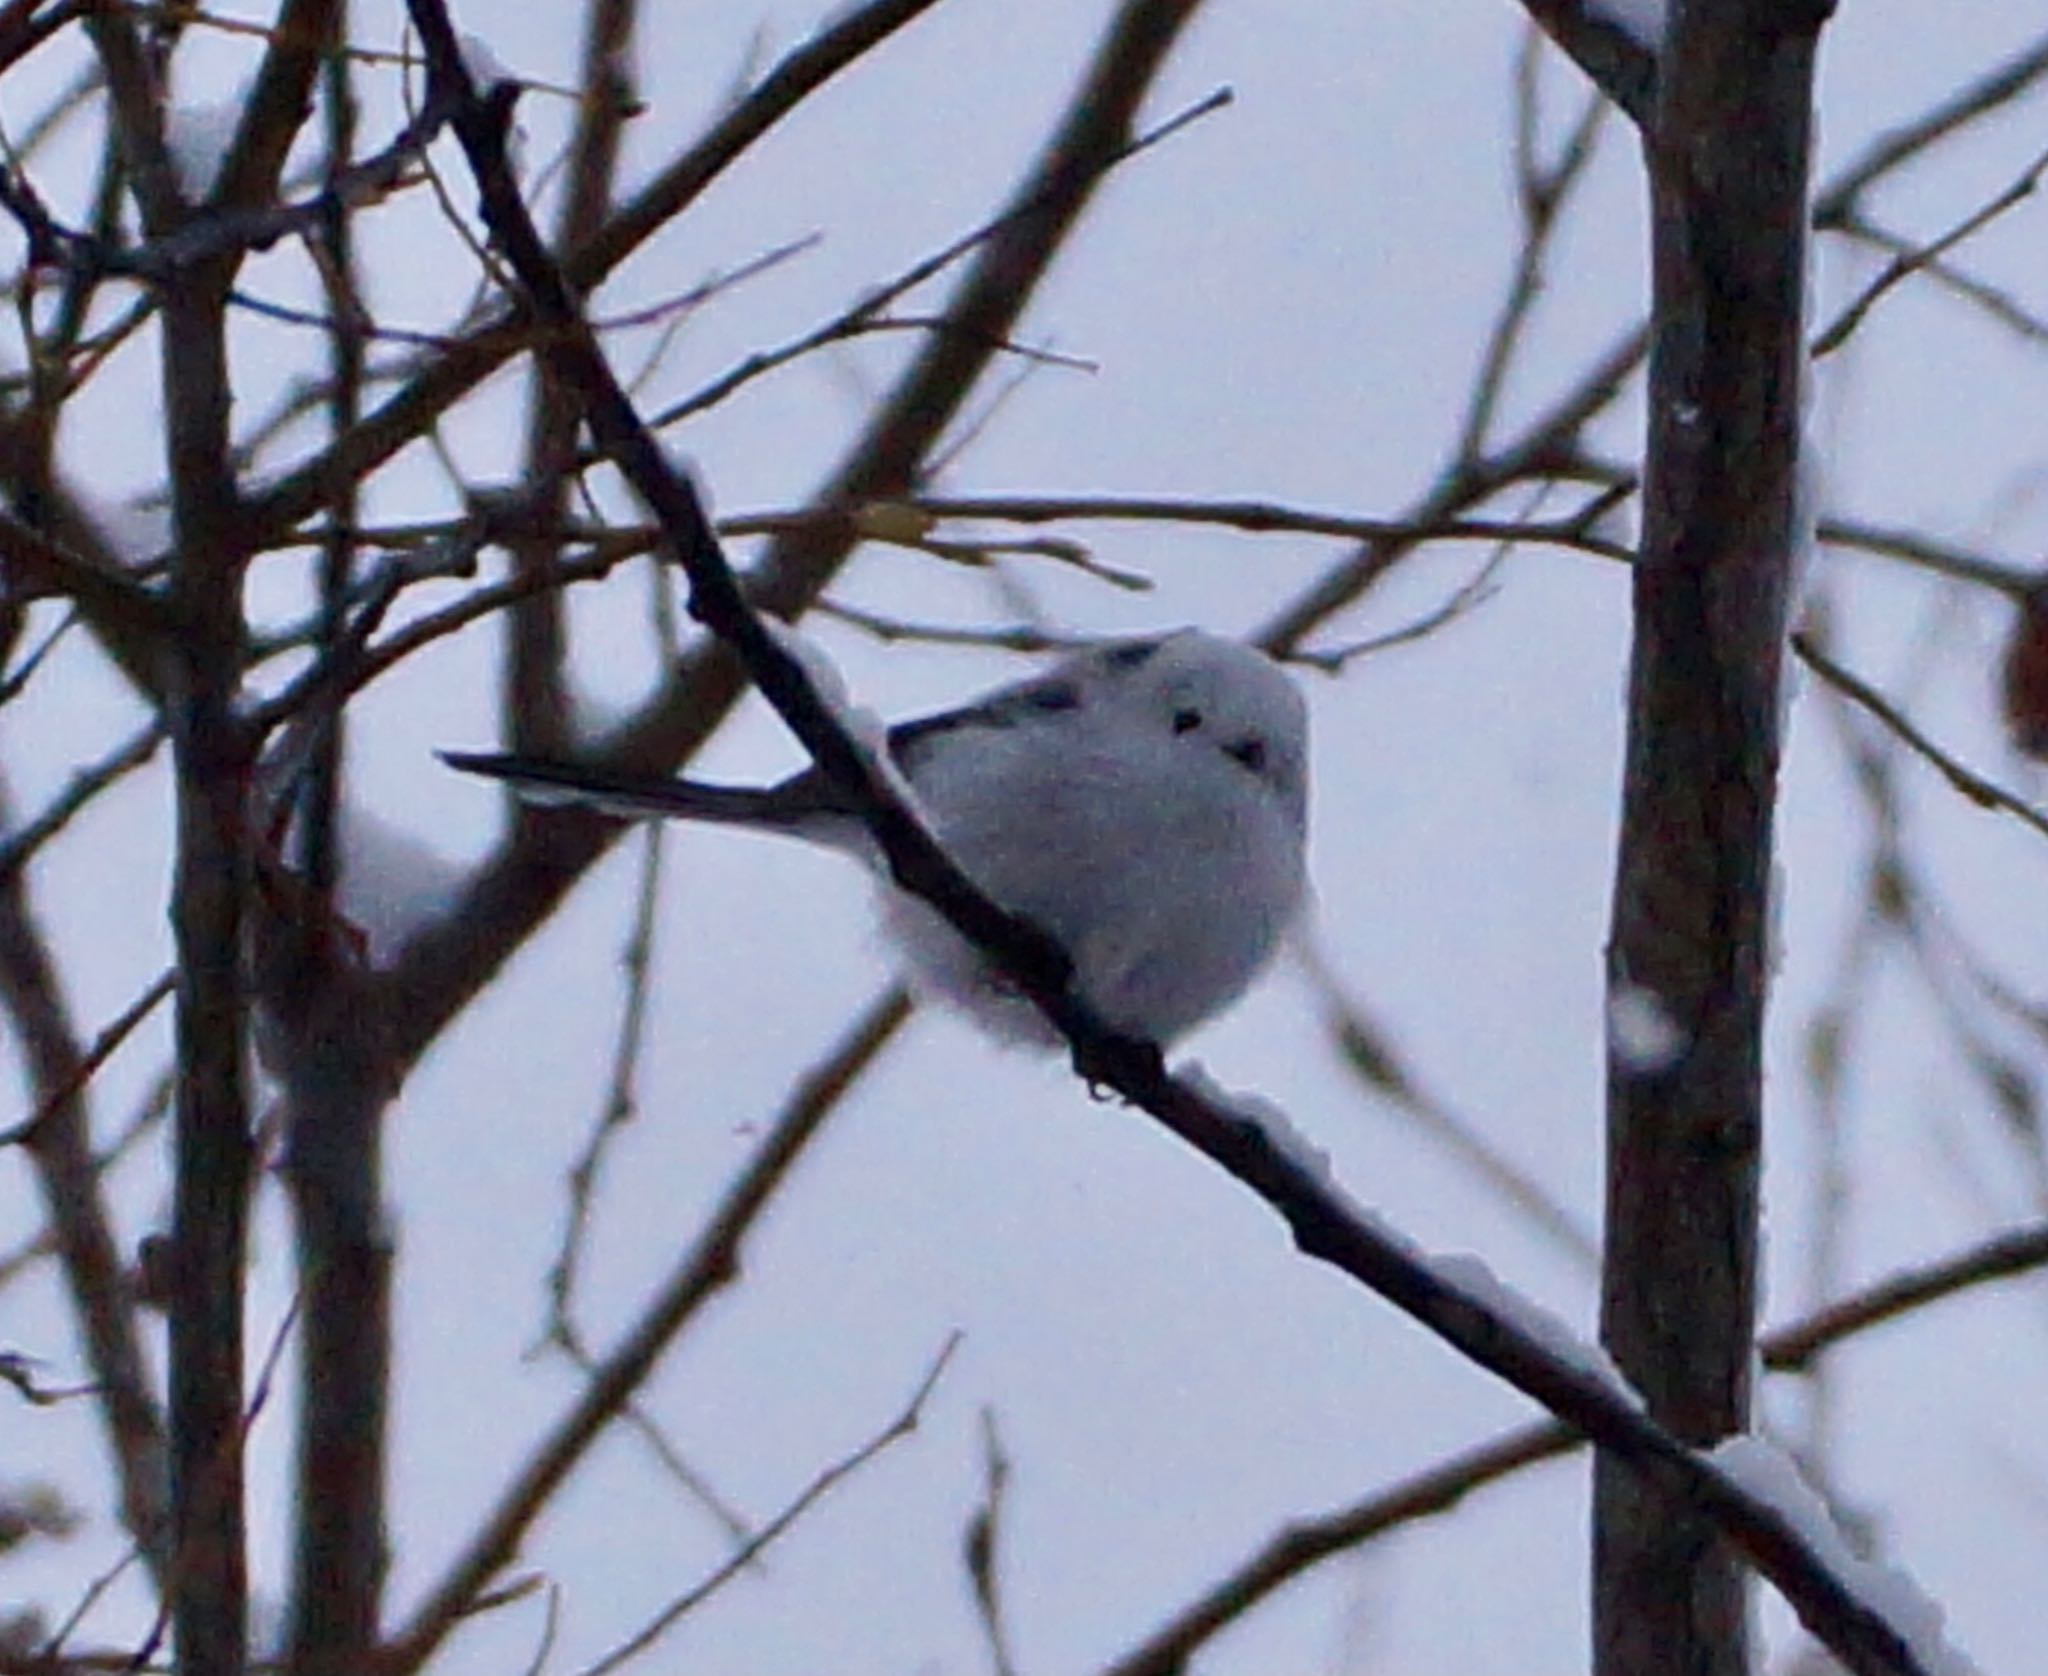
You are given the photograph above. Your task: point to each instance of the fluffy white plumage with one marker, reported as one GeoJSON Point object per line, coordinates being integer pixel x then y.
{"type": "Point", "coordinates": [1143, 802]}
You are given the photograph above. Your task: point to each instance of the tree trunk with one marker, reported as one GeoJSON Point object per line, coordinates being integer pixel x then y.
{"type": "Point", "coordinates": [1688, 957]}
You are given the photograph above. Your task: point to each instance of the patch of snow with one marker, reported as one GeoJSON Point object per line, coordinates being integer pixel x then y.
{"type": "Point", "coordinates": [1641, 20]}
{"type": "Point", "coordinates": [392, 882]}
{"type": "Point", "coordinates": [485, 68]}
{"type": "Point", "coordinates": [1774, 900]}
{"type": "Point", "coordinates": [1261, 1114]}
{"type": "Point", "coordinates": [139, 533]}
{"type": "Point", "coordinates": [1472, 1278]}
{"type": "Point", "coordinates": [487, 71]}
{"type": "Point", "coordinates": [1767, 1474]}
{"type": "Point", "coordinates": [816, 663]}
{"type": "Point", "coordinates": [1641, 1032]}
{"type": "Point", "coordinates": [197, 137]}
{"type": "Point", "coordinates": [863, 726]}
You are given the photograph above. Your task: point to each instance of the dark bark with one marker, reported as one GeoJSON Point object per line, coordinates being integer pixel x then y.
{"type": "Point", "coordinates": [336, 1092]}
{"type": "Point", "coordinates": [210, 894]}
{"type": "Point", "coordinates": [1727, 159]}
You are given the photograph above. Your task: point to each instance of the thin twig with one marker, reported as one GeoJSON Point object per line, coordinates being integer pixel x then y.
{"type": "Point", "coordinates": [551, 1619]}
{"type": "Point", "coordinates": [437, 385]}
{"type": "Point", "coordinates": [711, 1264]}
{"type": "Point", "coordinates": [1466, 597]}
{"type": "Point", "coordinates": [43, 1243]}
{"type": "Point", "coordinates": [54, 1645]}
{"type": "Point", "coordinates": [1984, 793]}
{"type": "Point", "coordinates": [621, 1103]}
{"type": "Point", "coordinates": [827, 1480]}
{"type": "Point", "coordinates": [982, 1546]}
{"type": "Point", "coordinates": [2002, 306]}
{"type": "Point", "coordinates": [1903, 266]}
{"type": "Point", "coordinates": [103, 1048]}
{"type": "Point", "coordinates": [18, 678]}
{"type": "Point", "coordinates": [891, 630]}
{"type": "Point", "coordinates": [85, 784]}
{"type": "Point", "coordinates": [1890, 151]}
{"type": "Point", "coordinates": [1543, 192]}
{"type": "Point", "coordinates": [1276, 518]}
{"type": "Point", "coordinates": [864, 314]}
{"type": "Point", "coordinates": [1913, 547]}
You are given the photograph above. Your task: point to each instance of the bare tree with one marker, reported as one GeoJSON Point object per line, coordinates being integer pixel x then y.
{"type": "Point", "coordinates": [301, 999]}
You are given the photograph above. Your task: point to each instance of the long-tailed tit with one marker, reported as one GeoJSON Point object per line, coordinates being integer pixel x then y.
{"type": "Point", "coordinates": [1142, 802]}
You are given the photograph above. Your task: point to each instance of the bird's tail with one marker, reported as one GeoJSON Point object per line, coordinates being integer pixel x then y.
{"type": "Point", "coordinates": [641, 796]}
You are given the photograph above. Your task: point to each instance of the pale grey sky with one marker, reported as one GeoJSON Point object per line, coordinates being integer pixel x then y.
{"type": "Point", "coordinates": [1286, 302]}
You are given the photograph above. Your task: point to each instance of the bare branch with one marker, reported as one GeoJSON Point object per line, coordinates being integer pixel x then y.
{"type": "Point", "coordinates": [1273, 518]}
{"type": "Point", "coordinates": [711, 1264]}
{"type": "Point", "coordinates": [1942, 558]}
{"type": "Point", "coordinates": [897, 1429]}
{"type": "Point", "coordinates": [865, 314]}
{"type": "Point", "coordinates": [276, 105]}
{"type": "Point", "coordinates": [1989, 94]}
{"type": "Point", "coordinates": [1306, 1543]}
{"type": "Point", "coordinates": [21, 844]}
{"type": "Point", "coordinates": [36, 567]}
{"type": "Point", "coordinates": [982, 1547]}
{"type": "Point", "coordinates": [2002, 307]}
{"type": "Point", "coordinates": [1543, 192]}
{"type": "Point", "coordinates": [104, 1046]}
{"type": "Point", "coordinates": [58, 1139]}
{"type": "Point", "coordinates": [410, 413]}
{"type": "Point", "coordinates": [211, 892]}
{"type": "Point", "coordinates": [1903, 266]}
{"type": "Point", "coordinates": [1547, 446]}
{"type": "Point", "coordinates": [620, 1105]}
{"type": "Point", "coordinates": [1984, 793]}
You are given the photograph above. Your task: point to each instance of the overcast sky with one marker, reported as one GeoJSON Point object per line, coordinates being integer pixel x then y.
{"type": "Point", "coordinates": [1286, 301]}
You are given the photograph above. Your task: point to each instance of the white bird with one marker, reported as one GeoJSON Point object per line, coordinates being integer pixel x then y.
{"type": "Point", "coordinates": [1144, 803]}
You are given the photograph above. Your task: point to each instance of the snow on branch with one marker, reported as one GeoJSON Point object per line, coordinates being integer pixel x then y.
{"type": "Point", "coordinates": [1614, 42]}
{"type": "Point", "coordinates": [1766, 1473]}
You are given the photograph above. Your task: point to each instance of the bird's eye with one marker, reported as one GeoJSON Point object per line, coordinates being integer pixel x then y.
{"type": "Point", "coordinates": [1250, 752]}
{"type": "Point", "coordinates": [1186, 721]}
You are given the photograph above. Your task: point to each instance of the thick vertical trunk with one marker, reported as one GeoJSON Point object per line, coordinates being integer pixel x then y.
{"type": "Point", "coordinates": [1688, 957]}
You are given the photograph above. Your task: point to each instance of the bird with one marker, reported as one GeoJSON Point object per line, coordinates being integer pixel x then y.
{"type": "Point", "coordinates": [1143, 802]}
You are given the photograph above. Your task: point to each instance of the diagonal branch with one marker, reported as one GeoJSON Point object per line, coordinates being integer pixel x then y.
{"type": "Point", "coordinates": [1254, 1147]}
{"type": "Point", "coordinates": [710, 1265]}
{"type": "Point", "coordinates": [821, 1485]}
{"type": "Point", "coordinates": [411, 413]}
{"type": "Point", "coordinates": [1439, 1488]}
{"type": "Point", "coordinates": [277, 103]}
{"type": "Point", "coordinates": [58, 1139]}
{"type": "Point", "coordinates": [436, 975]}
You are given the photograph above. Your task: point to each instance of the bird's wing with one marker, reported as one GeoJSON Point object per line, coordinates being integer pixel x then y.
{"type": "Point", "coordinates": [1007, 707]}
